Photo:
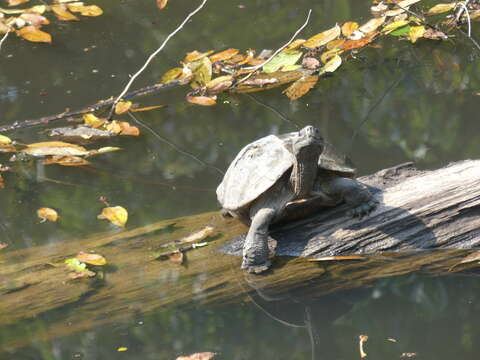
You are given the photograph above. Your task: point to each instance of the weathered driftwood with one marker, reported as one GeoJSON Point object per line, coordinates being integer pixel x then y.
{"type": "Point", "coordinates": [418, 210]}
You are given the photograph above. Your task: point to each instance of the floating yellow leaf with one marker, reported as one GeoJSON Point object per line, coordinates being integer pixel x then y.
{"type": "Point", "coordinates": [62, 13]}
{"type": "Point", "coordinates": [323, 38]}
{"type": "Point", "coordinates": [66, 161]}
{"type": "Point", "coordinates": [147, 108]}
{"type": "Point", "coordinates": [122, 107]}
{"type": "Point", "coordinates": [47, 214]}
{"type": "Point", "coordinates": [441, 8]}
{"type": "Point", "coordinates": [91, 259]}
{"type": "Point", "coordinates": [85, 10]}
{"type": "Point", "coordinates": [117, 215]}
{"type": "Point", "coordinates": [335, 44]}
{"type": "Point", "coordinates": [394, 25]}
{"type": "Point", "coordinates": [4, 140]}
{"type": "Point", "coordinates": [93, 121]}
{"type": "Point", "coordinates": [327, 55]}
{"type": "Point", "coordinates": [202, 100]}
{"type": "Point", "coordinates": [196, 55]}
{"type": "Point", "coordinates": [301, 87]}
{"type": "Point", "coordinates": [31, 33]}
{"type": "Point", "coordinates": [122, 348]}
{"type": "Point", "coordinates": [295, 44]}
{"type": "Point", "coordinates": [223, 55]}
{"type": "Point", "coordinates": [55, 148]}
{"type": "Point", "coordinates": [372, 25]}
{"type": "Point", "coordinates": [162, 3]}
{"type": "Point", "coordinates": [349, 27]}
{"type": "Point", "coordinates": [416, 32]}
{"type": "Point", "coordinates": [332, 65]}
{"type": "Point", "coordinates": [171, 75]}
{"type": "Point", "coordinates": [39, 9]}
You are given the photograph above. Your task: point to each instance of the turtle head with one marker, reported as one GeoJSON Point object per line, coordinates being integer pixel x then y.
{"type": "Point", "coordinates": [308, 140]}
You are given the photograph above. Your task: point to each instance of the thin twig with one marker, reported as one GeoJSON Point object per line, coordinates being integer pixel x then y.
{"type": "Point", "coordinates": [150, 58]}
{"type": "Point", "coordinates": [477, 45]}
{"type": "Point", "coordinates": [464, 7]}
{"type": "Point", "coordinates": [3, 39]}
{"type": "Point", "coordinates": [256, 67]}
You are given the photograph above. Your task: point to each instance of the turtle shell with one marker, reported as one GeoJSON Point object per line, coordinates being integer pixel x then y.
{"type": "Point", "coordinates": [256, 168]}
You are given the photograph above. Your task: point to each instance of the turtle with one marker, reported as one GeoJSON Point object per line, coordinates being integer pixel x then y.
{"type": "Point", "coordinates": [270, 174]}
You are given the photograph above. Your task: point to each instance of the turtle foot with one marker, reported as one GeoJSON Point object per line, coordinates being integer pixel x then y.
{"type": "Point", "coordinates": [363, 209]}
{"type": "Point", "coordinates": [255, 268]}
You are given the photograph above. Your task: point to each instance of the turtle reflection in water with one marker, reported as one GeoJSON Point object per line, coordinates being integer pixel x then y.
{"type": "Point", "coordinates": [270, 173]}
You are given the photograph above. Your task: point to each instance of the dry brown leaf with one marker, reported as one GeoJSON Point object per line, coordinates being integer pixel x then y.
{"type": "Point", "coordinates": [161, 4]}
{"type": "Point", "coordinates": [92, 259]}
{"type": "Point", "coordinates": [349, 27]}
{"type": "Point", "coordinates": [223, 55]}
{"type": "Point", "coordinates": [310, 63]}
{"type": "Point", "coordinates": [198, 356]}
{"type": "Point", "coordinates": [323, 38]}
{"type": "Point", "coordinates": [33, 34]}
{"type": "Point", "coordinates": [55, 148]}
{"type": "Point", "coordinates": [128, 129]}
{"type": "Point", "coordinates": [202, 100]}
{"type": "Point", "coordinates": [355, 44]}
{"type": "Point", "coordinates": [117, 215]}
{"type": "Point", "coordinates": [147, 108]}
{"type": "Point", "coordinates": [196, 55]}
{"type": "Point", "coordinates": [301, 87]}
{"type": "Point", "coordinates": [295, 44]}
{"type": "Point", "coordinates": [85, 10]}
{"type": "Point", "coordinates": [219, 84]}
{"type": "Point", "coordinates": [62, 13]}
{"type": "Point", "coordinates": [47, 214]}
{"type": "Point", "coordinates": [176, 257]}
{"type": "Point", "coordinates": [66, 161]}
{"type": "Point", "coordinates": [434, 34]}
{"type": "Point", "coordinates": [114, 127]}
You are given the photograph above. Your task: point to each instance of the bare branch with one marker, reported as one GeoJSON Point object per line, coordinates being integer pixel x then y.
{"type": "Point", "coordinates": [3, 39]}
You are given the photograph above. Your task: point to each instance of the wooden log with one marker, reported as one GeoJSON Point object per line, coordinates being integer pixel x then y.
{"type": "Point", "coordinates": [418, 211]}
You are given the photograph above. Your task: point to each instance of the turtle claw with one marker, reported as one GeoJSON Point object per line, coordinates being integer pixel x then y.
{"type": "Point", "coordinates": [363, 209]}
{"type": "Point", "coordinates": [256, 268]}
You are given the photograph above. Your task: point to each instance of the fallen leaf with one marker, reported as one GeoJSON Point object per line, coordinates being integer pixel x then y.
{"type": "Point", "coordinates": [79, 268]}
{"type": "Point", "coordinates": [300, 87]}
{"type": "Point", "coordinates": [91, 259]}
{"type": "Point", "coordinates": [122, 107]}
{"type": "Point", "coordinates": [416, 32]}
{"type": "Point", "coordinates": [219, 84]}
{"type": "Point", "coordinates": [16, 2]}
{"type": "Point", "coordinates": [262, 82]}
{"type": "Point", "coordinates": [195, 56]}
{"type": "Point", "coordinates": [403, 31]}
{"type": "Point", "coordinates": [202, 100]}
{"type": "Point", "coordinates": [47, 214]}
{"type": "Point", "coordinates": [35, 19]}
{"type": "Point", "coordinates": [3, 245]}
{"type": "Point", "coordinates": [161, 4]}
{"type": "Point", "coordinates": [39, 9]}
{"type": "Point", "coordinates": [66, 161]}
{"type": "Point", "coordinates": [93, 121]}
{"type": "Point", "coordinates": [147, 108]}
{"type": "Point", "coordinates": [295, 44]}
{"type": "Point", "coordinates": [323, 38]}
{"type": "Point", "coordinates": [176, 258]}
{"type": "Point", "coordinates": [199, 235]}
{"type": "Point", "coordinates": [4, 140]}
{"type": "Point", "coordinates": [55, 148]}
{"type": "Point", "coordinates": [349, 27]}
{"type": "Point", "coordinates": [441, 8]}
{"type": "Point", "coordinates": [85, 10]}
{"type": "Point", "coordinates": [434, 34]}
{"type": "Point", "coordinates": [62, 13]}
{"type": "Point", "coordinates": [355, 44]}
{"type": "Point", "coordinates": [335, 44]}
{"type": "Point", "coordinates": [394, 25]}
{"type": "Point", "coordinates": [113, 126]}
{"type": "Point", "coordinates": [117, 215]}
{"type": "Point", "coordinates": [310, 63]}
{"type": "Point", "coordinates": [379, 8]}
{"type": "Point", "coordinates": [202, 72]}
{"type": "Point", "coordinates": [198, 356]}
{"type": "Point", "coordinates": [327, 55]}
{"type": "Point", "coordinates": [362, 339]}
{"type": "Point", "coordinates": [284, 58]}
{"type": "Point", "coordinates": [223, 55]}
{"type": "Point", "coordinates": [372, 25]}
{"type": "Point", "coordinates": [104, 150]}
{"type": "Point", "coordinates": [33, 34]}
{"type": "Point", "coordinates": [128, 129]}
{"type": "Point", "coordinates": [122, 349]}
{"type": "Point", "coordinates": [338, 258]}
{"type": "Point", "coordinates": [171, 75]}
{"type": "Point", "coordinates": [332, 65]}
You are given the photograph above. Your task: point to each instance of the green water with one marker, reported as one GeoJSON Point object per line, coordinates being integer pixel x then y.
{"type": "Point", "coordinates": [396, 103]}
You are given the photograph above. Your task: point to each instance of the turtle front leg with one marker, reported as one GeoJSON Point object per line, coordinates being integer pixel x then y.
{"type": "Point", "coordinates": [255, 249]}
{"type": "Point", "coordinates": [355, 194]}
